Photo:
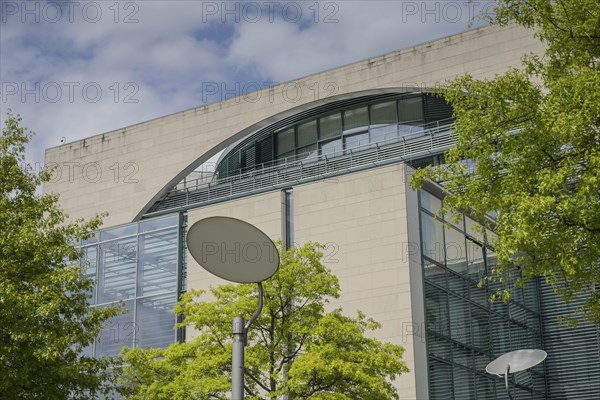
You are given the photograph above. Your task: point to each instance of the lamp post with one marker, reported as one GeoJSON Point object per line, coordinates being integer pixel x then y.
{"type": "Point", "coordinates": [238, 252]}
{"type": "Point", "coordinates": [515, 361]}
{"type": "Point", "coordinates": [240, 340]}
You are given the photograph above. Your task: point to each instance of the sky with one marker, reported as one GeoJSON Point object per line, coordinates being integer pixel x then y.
{"type": "Point", "coordinates": [73, 69]}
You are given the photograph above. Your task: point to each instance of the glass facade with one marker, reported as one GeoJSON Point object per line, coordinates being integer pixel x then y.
{"type": "Point", "coordinates": [573, 363]}
{"type": "Point", "coordinates": [136, 266]}
{"type": "Point", "coordinates": [464, 330]}
{"type": "Point", "coordinates": [142, 267]}
{"type": "Point", "coordinates": [341, 131]}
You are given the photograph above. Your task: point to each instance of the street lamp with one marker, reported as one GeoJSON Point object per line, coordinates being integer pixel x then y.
{"type": "Point", "coordinates": [238, 252]}
{"type": "Point", "coordinates": [515, 361]}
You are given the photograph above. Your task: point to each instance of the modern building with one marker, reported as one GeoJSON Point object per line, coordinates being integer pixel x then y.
{"type": "Point", "coordinates": [327, 158]}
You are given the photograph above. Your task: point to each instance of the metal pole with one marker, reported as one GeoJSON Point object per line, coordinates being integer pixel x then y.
{"type": "Point", "coordinates": [506, 381]}
{"type": "Point", "coordinates": [240, 334]}
{"type": "Point", "coordinates": [237, 359]}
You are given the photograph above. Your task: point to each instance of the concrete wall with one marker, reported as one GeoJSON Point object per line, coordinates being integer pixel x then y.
{"type": "Point", "coordinates": [362, 219]}
{"type": "Point", "coordinates": [123, 170]}
{"type": "Point", "coordinates": [262, 211]}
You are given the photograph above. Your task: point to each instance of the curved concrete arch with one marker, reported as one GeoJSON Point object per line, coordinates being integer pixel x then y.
{"type": "Point", "coordinates": [152, 156]}
{"type": "Point", "coordinates": [263, 124]}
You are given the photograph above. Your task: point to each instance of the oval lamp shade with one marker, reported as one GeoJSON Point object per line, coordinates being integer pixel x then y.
{"type": "Point", "coordinates": [518, 360]}
{"type": "Point", "coordinates": [233, 249]}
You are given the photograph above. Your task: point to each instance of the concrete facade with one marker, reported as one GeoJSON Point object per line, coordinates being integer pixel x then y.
{"type": "Point", "coordinates": [365, 230]}
{"type": "Point", "coordinates": [368, 220]}
{"type": "Point", "coordinates": [123, 171]}
{"type": "Point", "coordinates": [362, 220]}
{"type": "Point", "coordinates": [262, 211]}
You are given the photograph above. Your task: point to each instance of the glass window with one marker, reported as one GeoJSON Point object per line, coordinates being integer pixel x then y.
{"type": "Point", "coordinates": [286, 155]}
{"type": "Point", "coordinates": [307, 133]}
{"type": "Point", "coordinates": [530, 296]}
{"type": "Point", "coordinates": [91, 240]}
{"type": "Point", "coordinates": [331, 147]}
{"type": "Point", "coordinates": [307, 151]}
{"type": "Point", "coordinates": [264, 150]}
{"type": "Point", "coordinates": [480, 324]}
{"type": "Point", "coordinates": [518, 313]}
{"type": "Point", "coordinates": [118, 332]}
{"type": "Point", "coordinates": [117, 274]}
{"type": "Point", "coordinates": [440, 379]}
{"type": "Point", "coordinates": [289, 218]}
{"type": "Point", "coordinates": [455, 218]}
{"type": "Point", "coordinates": [143, 264]}
{"type": "Point", "coordinates": [490, 237]}
{"type": "Point", "coordinates": [89, 262]}
{"type": "Point", "coordinates": [88, 351]}
{"type": "Point", "coordinates": [460, 321]}
{"type": "Point", "coordinates": [474, 229]}
{"type": "Point", "coordinates": [485, 386]}
{"type": "Point", "coordinates": [383, 133]}
{"type": "Point", "coordinates": [433, 239]}
{"type": "Point", "coordinates": [462, 355]}
{"type": "Point", "coordinates": [456, 253]}
{"type": "Point", "coordinates": [475, 260]}
{"type": "Point", "coordinates": [234, 162]}
{"type": "Point", "coordinates": [520, 337]}
{"type": "Point", "coordinates": [478, 331]}
{"type": "Point", "coordinates": [158, 263]}
{"type": "Point", "coordinates": [384, 114]}
{"type": "Point", "coordinates": [458, 284]}
{"type": "Point", "coordinates": [356, 120]}
{"type": "Point", "coordinates": [517, 291]}
{"type": "Point", "coordinates": [330, 126]}
{"type": "Point", "coordinates": [354, 141]}
{"type": "Point", "coordinates": [500, 334]}
{"type": "Point", "coordinates": [159, 223]}
{"type": "Point", "coordinates": [118, 232]}
{"type": "Point", "coordinates": [155, 321]}
{"type": "Point", "coordinates": [410, 128]}
{"type": "Point", "coordinates": [482, 360]}
{"type": "Point", "coordinates": [438, 346]}
{"type": "Point", "coordinates": [479, 295]}
{"type": "Point", "coordinates": [430, 202]}
{"type": "Point", "coordinates": [436, 310]}
{"type": "Point", "coordinates": [435, 274]}
{"type": "Point", "coordinates": [410, 109]}
{"type": "Point", "coordinates": [490, 259]}
{"type": "Point", "coordinates": [464, 383]}
{"type": "Point", "coordinates": [285, 142]}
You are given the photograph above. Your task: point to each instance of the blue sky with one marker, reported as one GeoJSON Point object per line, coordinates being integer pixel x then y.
{"type": "Point", "coordinates": [73, 69]}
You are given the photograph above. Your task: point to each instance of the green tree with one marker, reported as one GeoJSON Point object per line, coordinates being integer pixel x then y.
{"type": "Point", "coordinates": [529, 150]}
{"type": "Point", "coordinates": [330, 354]}
{"type": "Point", "coordinates": [45, 321]}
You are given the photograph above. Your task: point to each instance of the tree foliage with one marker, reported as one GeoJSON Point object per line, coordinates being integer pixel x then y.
{"type": "Point", "coordinates": [330, 354]}
{"type": "Point", "coordinates": [529, 149]}
{"type": "Point", "coordinates": [44, 314]}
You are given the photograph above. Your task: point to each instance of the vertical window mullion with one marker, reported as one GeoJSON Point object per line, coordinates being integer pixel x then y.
{"type": "Point", "coordinates": [138, 281]}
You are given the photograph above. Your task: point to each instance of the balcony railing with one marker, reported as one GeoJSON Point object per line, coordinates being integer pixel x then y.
{"type": "Point", "coordinates": [432, 140]}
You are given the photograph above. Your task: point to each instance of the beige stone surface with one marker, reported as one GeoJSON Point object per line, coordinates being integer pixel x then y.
{"type": "Point", "coordinates": [361, 217]}
{"type": "Point", "coordinates": [121, 171]}
{"type": "Point", "coordinates": [263, 211]}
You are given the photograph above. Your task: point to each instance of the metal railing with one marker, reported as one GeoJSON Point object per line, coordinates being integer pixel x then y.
{"type": "Point", "coordinates": [287, 172]}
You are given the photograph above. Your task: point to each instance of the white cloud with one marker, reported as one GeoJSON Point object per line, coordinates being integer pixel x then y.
{"type": "Point", "coordinates": [176, 46]}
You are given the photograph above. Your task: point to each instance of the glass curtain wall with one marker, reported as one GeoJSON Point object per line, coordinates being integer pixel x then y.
{"type": "Point", "coordinates": [352, 128]}
{"type": "Point", "coordinates": [464, 330]}
{"type": "Point", "coordinates": [342, 131]}
{"type": "Point", "coordinates": [136, 266]}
